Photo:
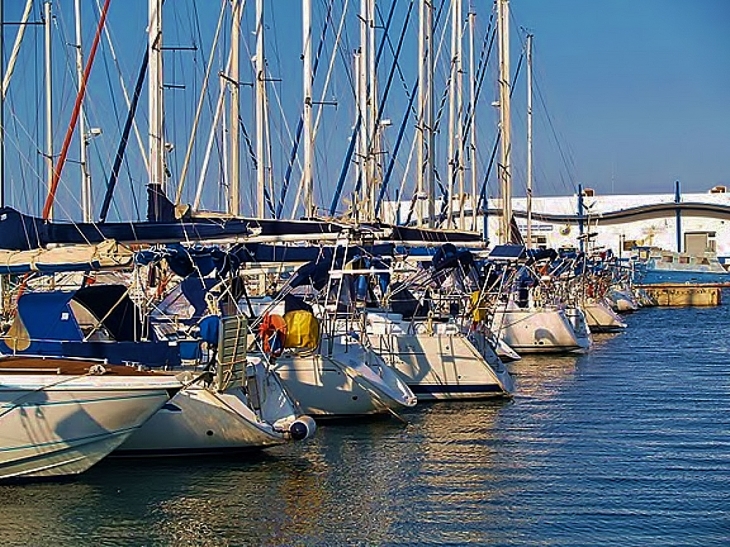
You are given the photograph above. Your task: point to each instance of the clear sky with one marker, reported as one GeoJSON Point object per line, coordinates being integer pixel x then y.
{"type": "Point", "coordinates": [631, 96]}
{"type": "Point", "coordinates": [639, 89]}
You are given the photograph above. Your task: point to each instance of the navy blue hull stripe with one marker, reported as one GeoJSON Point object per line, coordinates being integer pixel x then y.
{"type": "Point", "coordinates": [455, 388]}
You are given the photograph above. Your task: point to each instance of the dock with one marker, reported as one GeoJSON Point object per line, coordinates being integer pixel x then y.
{"type": "Point", "coordinates": [675, 294]}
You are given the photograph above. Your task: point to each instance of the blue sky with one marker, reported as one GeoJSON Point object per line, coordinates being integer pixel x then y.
{"type": "Point", "coordinates": [639, 89]}
{"type": "Point", "coordinates": [632, 95]}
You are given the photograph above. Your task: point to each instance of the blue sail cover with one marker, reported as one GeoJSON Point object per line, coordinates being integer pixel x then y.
{"type": "Point", "coordinates": [52, 328]}
{"type": "Point", "coordinates": [21, 232]}
{"type": "Point", "coordinates": [448, 256]}
{"type": "Point", "coordinates": [432, 235]}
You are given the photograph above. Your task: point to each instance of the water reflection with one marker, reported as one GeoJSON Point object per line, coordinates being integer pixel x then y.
{"type": "Point", "coordinates": [626, 444]}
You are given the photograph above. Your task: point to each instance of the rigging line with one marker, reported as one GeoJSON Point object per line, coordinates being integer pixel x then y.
{"type": "Point", "coordinates": [59, 28]}
{"type": "Point", "coordinates": [343, 52]}
{"type": "Point", "coordinates": [300, 123]}
{"type": "Point", "coordinates": [406, 168]}
{"type": "Point", "coordinates": [381, 104]}
{"type": "Point", "coordinates": [211, 105]}
{"type": "Point", "coordinates": [345, 166]}
{"type": "Point", "coordinates": [114, 175]}
{"type": "Point", "coordinates": [554, 132]}
{"type": "Point", "coordinates": [442, 41]}
{"type": "Point", "coordinates": [209, 145]}
{"type": "Point", "coordinates": [16, 48]}
{"type": "Point", "coordinates": [348, 156]}
{"type": "Point", "coordinates": [114, 106]}
{"type": "Point", "coordinates": [267, 125]}
{"type": "Point", "coordinates": [108, 37]}
{"type": "Point", "coordinates": [482, 194]}
{"type": "Point", "coordinates": [481, 72]}
{"type": "Point", "coordinates": [107, 71]}
{"type": "Point", "coordinates": [390, 45]}
{"type": "Point", "coordinates": [74, 116]}
{"type": "Point", "coordinates": [199, 107]}
{"type": "Point", "coordinates": [249, 143]}
{"type": "Point", "coordinates": [399, 139]}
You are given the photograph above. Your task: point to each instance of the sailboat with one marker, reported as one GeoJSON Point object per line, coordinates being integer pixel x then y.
{"type": "Point", "coordinates": [428, 339]}
{"type": "Point", "coordinates": [231, 404]}
{"type": "Point", "coordinates": [332, 368]}
{"type": "Point", "coordinates": [60, 416]}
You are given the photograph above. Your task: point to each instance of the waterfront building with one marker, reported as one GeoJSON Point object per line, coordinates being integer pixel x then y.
{"type": "Point", "coordinates": [693, 222]}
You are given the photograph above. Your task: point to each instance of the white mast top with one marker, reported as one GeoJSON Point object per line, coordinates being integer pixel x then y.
{"type": "Point", "coordinates": [49, 99]}
{"type": "Point", "coordinates": [84, 138]}
{"type": "Point", "coordinates": [529, 141]}
{"type": "Point", "coordinates": [154, 45]}
{"type": "Point", "coordinates": [309, 208]}
{"type": "Point", "coordinates": [505, 168]}
{"type": "Point", "coordinates": [260, 110]}
{"type": "Point", "coordinates": [234, 180]}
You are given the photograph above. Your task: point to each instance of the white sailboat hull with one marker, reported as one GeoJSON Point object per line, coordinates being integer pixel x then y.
{"type": "Point", "coordinates": [350, 380]}
{"type": "Point", "coordinates": [602, 318]}
{"type": "Point", "coordinates": [529, 330]}
{"type": "Point", "coordinates": [438, 362]}
{"type": "Point", "coordinates": [54, 425]}
{"type": "Point", "coordinates": [578, 321]}
{"type": "Point", "coordinates": [203, 420]}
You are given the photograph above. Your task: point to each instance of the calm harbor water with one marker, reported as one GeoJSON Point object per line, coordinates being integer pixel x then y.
{"type": "Point", "coordinates": [626, 445]}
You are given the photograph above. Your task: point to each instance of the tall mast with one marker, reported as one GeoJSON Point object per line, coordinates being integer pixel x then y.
{"type": "Point", "coordinates": [83, 137]}
{"type": "Point", "coordinates": [372, 132]}
{"type": "Point", "coordinates": [455, 108]}
{"type": "Point", "coordinates": [529, 141]}
{"type": "Point", "coordinates": [505, 171]}
{"type": "Point", "coordinates": [362, 100]}
{"type": "Point", "coordinates": [49, 100]}
{"type": "Point", "coordinates": [234, 198]}
{"type": "Point", "coordinates": [430, 105]}
{"type": "Point", "coordinates": [421, 129]}
{"type": "Point", "coordinates": [155, 90]}
{"type": "Point", "coordinates": [460, 112]}
{"type": "Point", "coordinates": [309, 209]}
{"type": "Point", "coordinates": [452, 113]}
{"type": "Point", "coordinates": [473, 125]}
{"type": "Point", "coordinates": [260, 113]}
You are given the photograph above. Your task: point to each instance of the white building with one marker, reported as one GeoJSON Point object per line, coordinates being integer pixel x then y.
{"type": "Point", "coordinates": [695, 222]}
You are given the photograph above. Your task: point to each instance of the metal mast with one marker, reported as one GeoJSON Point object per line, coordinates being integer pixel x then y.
{"type": "Point", "coordinates": [234, 198]}
{"type": "Point", "coordinates": [430, 115]}
{"type": "Point", "coordinates": [260, 110]}
{"type": "Point", "coordinates": [455, 151]}
{"type": "Point", "coordinates": [49, 100]}
{"type": "Point", "coordinates": [155, 95]}
{"type": "Point", "coordinates": [473, 125]}
{"type": "Point", "coordinates": [529, 141]}
{"type": "Point", "coordinates": [505, 168]}
{"type": "Point", "coordinates": [362, 100]}
{"type": "Point", "coordinates": [309, 207]}
{"type": "Point", "coordinates": [83, 137]}
{"type": "Point", "coordinates": [421, 129]}
{"type": "Point", "coordinates": [372, 132]}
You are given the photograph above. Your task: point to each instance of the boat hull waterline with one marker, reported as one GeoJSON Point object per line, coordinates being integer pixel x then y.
{"type": "Point", "coordinates": [59, 424]}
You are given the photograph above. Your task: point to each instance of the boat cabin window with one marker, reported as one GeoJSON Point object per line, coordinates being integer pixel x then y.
{"type": "Point", "coordinates": [89, 325]}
